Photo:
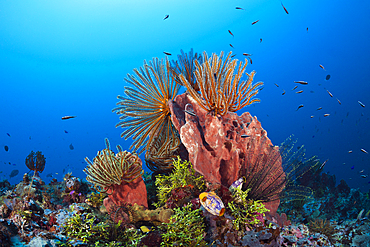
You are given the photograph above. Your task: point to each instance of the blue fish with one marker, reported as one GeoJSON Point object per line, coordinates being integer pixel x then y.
{"type": "Point", "coordinates": [65, 131]}
{"type": "Point", "coordinates": [353, 167]}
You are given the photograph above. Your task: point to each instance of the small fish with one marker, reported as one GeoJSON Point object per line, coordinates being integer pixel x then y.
{"type": "Point", "coordinates": [71, 146]}
{"type": "Point", "coordinates": [339, 101]}
{"type": "Point", "coordinates": [307, 29]}
{"type": "Point", "coordinates": [49, 175]}
{"type": "Point", "coordinates": [361, 104]}
{"type": "Point", "coordinates": [144, 229]}
{"type": "Point", "coordinates": [286, 11]}
{"type": "Point", "coordinates": [244, 136]}
{"type": "Point", "coordinates": [8, 134]}
{"type": "Point", "coordinates": [364, 176]}
{"type": "Point", "coordinates": [6, 148]}
{"type": "Point", "coordinates": [301, 82]}
{"type": "Point", "coordinates": [300, 106]}
{"type": "Point", "coordinates": [247, 54]}
{"type": "Point", "coordinates": [72, 192]}
{"type": "Point", "coordinates": [231, 45]}
{"type": "Point", "coordinates": [322, 67]}
{"type": "Point", "coordinates": [326, 115]}
{"type": "Point", "coordinates": [329, 93]}
{"type": "Point", "coordinates": [283, 92]}
{"type": "Point", "coordinates": [312, 116]}
{"type": "Point", "coordinates": [260, 40]}
{"type": "Point", "coordinates": [65, 131]}
{"type": "Point", "coordinates": [294, 88]}
{"type": "Point", "coordinates": [301, 91]}
{"type": "Point", "coordinates": [13, 173]}
{"type": "Point", "coordinates": [233, 55]}
{"type": "Point", "coordinates": [323, 164]}
{"type": "Point", "coordinates": [190, 113]}
{"type": "Point", "coordinates": [250, 60]}
{"type": "Point", "coordinates": [255, 22]}
{"type": "Point", "coordinates": [276, 85]}
{"type": "Point", "coordinates": [352, 167]}
{"type": "Point", "coordinates": [68, 117]}
{"type": "Point", "coordinates": [239, 8]}
{"type": "Point", "coordinates": [364, 151]}
{"type": "Point", "coordinates": [350, 151]}
{"type": "Point", "coordinates": [319, 108]}
{"type": "Point", "coordinates": [361, 171]}
{"type": "Point", "coordinates": [167, 53]}
{"type": "Point", "coordinates": [231, 33]}
{"type": "Point", "coordinates": [166, 17]}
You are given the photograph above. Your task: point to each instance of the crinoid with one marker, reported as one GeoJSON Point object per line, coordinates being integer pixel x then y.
{"type": "Point", "coordinates": [323, 227]}
{"type": "Point", "coordinates": [273, 175]}
{"type": "Point", "coordinates": [220, 89]}
{"type": "Point", "coordinates": [108, 168]}
{"type": "Point", "coordinates": [185, 65]}
{"type": "Point", "coordinates": [145, 112]}
{"type": "Point", "coordinates": [36, 163]}
{"type": "Point", "coordinates": [162, 151]}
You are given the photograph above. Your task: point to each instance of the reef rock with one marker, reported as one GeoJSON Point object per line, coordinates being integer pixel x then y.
{"type": "Point", "coordinates": [220, 147]}
{"type": "Point", "coordinates": [127, 193]}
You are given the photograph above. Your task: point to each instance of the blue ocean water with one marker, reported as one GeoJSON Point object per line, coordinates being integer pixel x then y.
{"type": "Point", "coordinates": [61, 58]}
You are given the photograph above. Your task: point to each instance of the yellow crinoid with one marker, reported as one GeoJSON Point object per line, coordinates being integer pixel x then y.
{"type": "Point", "coordinates": [108, 168]}
{"type": "Point", "coordinates": [220, 89]}
{"type": "Point", "coordinates": [145, 112]}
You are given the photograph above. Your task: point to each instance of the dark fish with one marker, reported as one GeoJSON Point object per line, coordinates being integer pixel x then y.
{"type": "Point", "coordinates": [364, 176]}
{"type": "Point", "coordinates": [6, 148]}
{"type": "Point", "coordinates": [260, 40]}
{"type": "Point", "coordinates": [339, 101]}
{"type": "Point", "coordinates": [301, 82]}
{"type": "Point", "coordinates": [286, 11]}
{"type": "Point", "coordinates": [8, 134]}
{"type": "Point", "coordinates": [276, 85]}
{"type": "Point", "coordinates": [307, 29]}
{"type": "Point", "coordinates": [231, 33]}
{"type": "Point", "coordinates": [364, 151]}
{"type": "Point", "coordinates": [239, 8]}
{"type": "Point", "coordinates": [352, 167]}
{"type": "Point", "coordinates": [326, 115]}
{"type": "Point", "coordinates": [283, 92]}
{"type": "Point", "coordinates": [167, 53]}
{"type": "Point", "coordinates": [301, 91]}
{"type": "Point", "coordinates": [361, 104]}
{"type": "Point", "coordinates": [327, 77]}
{"type": "Point", "coordinates": [244, 136]}
{"type": "Point", "coordinates": [233, 55]}
{"type": "Point", "coordinates": [323, 164]}
{"type": "Point", "coordinates": [67, 117]}
{"type": "Point", "coordinates": [255, 22]}
{"type": "Point", "coordinates": [329, 93]}
{"type": "Point", "coordinates": [247, 54]}
{"type": "Point", "coordinates": [71, 146]}
{"type": "Point", "coordinates": [319, 108]}
{"type": "Point", "coordinates": [29, 137]}
{"type": "Point", "coordinates": [250, 60]}
{"type": "Point", "coordinates": [322, 67]}
{"type": "Point", "coordinates": [49, 175]}
{"type": "Point", "coordinates": [231, 45]}
{"type": "Point", "coordinates": [294, 88]}
{"type": "Point", "coordinates": [166, 17]}
{"type": "Point", "coordinates": [13, 173]}
{"type": "Point", "coordinates": [65, 131]}
{"type": "Point", "coordinates": [300, 106]}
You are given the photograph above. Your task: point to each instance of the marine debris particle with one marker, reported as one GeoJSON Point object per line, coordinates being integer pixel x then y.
{"type": "Point", "coordinates": [327, 77]}
{"type": "Point", "coordinates": [6, 148]}
{"type": "Point", "coordinates": [71, 146]}
{"type": "Point", "coordinates": [14, 173]}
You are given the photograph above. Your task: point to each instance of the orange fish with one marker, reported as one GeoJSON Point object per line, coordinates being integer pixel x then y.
{"type": "Point", "coordinates": [68, 117]}
{"type": "Point", "coordinates": [231, 33]}
{"type": "Point", "coordinates": [255, 22]}
{"type": "Point", "coordinates": [322, 67]}
{"type": "Point", "coordinates": [167, 53]}
{"type": "Point", "coordinates": [286, 11]}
